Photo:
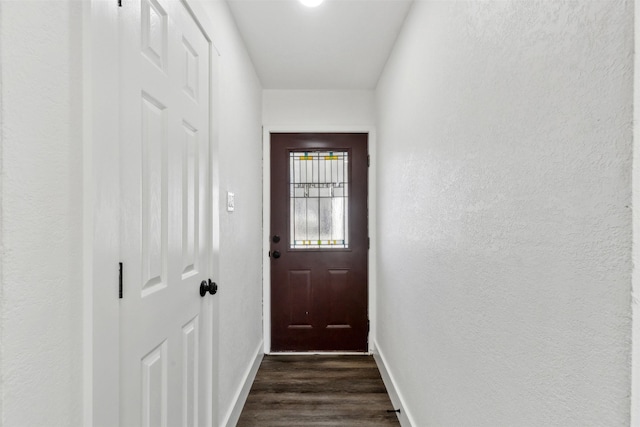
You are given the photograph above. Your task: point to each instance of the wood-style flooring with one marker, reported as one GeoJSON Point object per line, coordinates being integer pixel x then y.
{"type": "Point", "coordinates": [318, 390]}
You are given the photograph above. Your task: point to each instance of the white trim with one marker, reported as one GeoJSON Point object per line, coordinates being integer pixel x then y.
{"type": "Point", "coordinates": [87, 222]}
{"type": "Point", "coordinates": [266, 218]}
{"type": "Point", "coordinates": [405, 418]}
{"type": "Point", "coordinates": [101, 184]}
{"type": "Point", "coordinates": [266, 227]}
{"type": "Point", "coordinates": [240, 397]}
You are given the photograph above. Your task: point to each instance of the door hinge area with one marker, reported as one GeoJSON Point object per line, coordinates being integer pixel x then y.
{"type": "Point", "coordinates": [368, 242]}
{"type": "Point", "coordinates": [120, 281]}
{"type": "Point", "coordinates": [368, 160]}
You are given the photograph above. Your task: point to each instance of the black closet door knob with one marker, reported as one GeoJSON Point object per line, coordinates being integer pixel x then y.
{"type": "Point", "coordinates": [204, 287]}
{"type": "Point", "coordinates": [213, 287]}
{"type": "Point", "coordinates": [210, 286]}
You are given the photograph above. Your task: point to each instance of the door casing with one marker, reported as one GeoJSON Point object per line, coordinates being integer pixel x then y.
{"type": "Point", "coordinates": [266, 220]}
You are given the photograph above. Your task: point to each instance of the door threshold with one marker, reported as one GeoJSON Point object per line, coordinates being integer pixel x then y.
{"type": "Point", "coordinates": [320, 353]}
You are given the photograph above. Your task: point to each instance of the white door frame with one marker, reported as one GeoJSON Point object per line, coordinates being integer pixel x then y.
{"type": "Point", "coordinates": [101, 207]}
{"type": "Point", "coordinates": [266, 219]}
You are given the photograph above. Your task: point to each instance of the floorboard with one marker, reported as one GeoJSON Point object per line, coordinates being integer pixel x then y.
{"type": "Point", "coordinates": [318, 390]}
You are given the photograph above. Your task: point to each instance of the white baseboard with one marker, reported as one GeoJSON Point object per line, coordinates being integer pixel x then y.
{"type": "Point", "coordinates": [405, 418]}
{"type": "Point", "coordinates": [233, 415]}
{"type": "Point", "coordinates": [319, 353]}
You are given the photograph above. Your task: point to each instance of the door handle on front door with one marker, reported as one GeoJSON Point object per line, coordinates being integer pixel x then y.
{"type": "Point", "coordinates": [210, 287]}
{"type": "Point", "coordinates": [275, 254]}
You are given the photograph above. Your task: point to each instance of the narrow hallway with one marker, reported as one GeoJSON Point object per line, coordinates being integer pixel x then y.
{"type": "Point", "coordinates": [314, 390]}
{"type": "Point", "coordinates": [502, 210]}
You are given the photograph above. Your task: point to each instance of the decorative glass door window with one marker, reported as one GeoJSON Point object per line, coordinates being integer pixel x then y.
{"type": "Point", "coordinates": [319, 199]}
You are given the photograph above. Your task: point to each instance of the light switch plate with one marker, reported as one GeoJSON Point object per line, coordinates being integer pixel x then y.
{"type": "Point", "coordinates": [231, 203]}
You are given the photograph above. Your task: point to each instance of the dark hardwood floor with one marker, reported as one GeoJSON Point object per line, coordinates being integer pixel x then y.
{"type": "Point", "coordinates": [318, 390]}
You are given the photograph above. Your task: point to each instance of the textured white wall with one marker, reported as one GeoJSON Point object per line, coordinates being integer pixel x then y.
{"type": "Point", "coordinates": [41, 303]}
{"type": "Point", "coordinates": [240, 145]}
{"type": "Point", "coordinates": [635, 391]}
{"type": "Point", "coordinates": [504, 220]}
{"type": "Point", "coordinates": [318, 107]}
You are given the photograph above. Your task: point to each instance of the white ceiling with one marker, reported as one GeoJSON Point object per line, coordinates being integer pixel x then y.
{"type": "Point", "coordinates": [341, 44]}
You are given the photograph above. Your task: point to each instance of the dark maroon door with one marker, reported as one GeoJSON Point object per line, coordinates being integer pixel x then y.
{"type": "Point", "coordinates": [319, 242]}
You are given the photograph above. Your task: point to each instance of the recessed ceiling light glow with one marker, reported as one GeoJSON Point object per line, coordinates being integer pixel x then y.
{"type": "Point", "coordinates": [311, 3]}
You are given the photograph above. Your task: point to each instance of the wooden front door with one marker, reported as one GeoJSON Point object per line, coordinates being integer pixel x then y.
{"type": "Point", "coordinates": [319, 242]}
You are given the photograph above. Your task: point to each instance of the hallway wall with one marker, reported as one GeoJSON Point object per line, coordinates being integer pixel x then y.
{"type": "Point", "coordinates": [41, 214]}
{"type": "Point", "coordinates": [635, 375]}
{"type": "Point", "coordinates": [504, 220]}
{"type": "Point", "coordinates": [320, 108]}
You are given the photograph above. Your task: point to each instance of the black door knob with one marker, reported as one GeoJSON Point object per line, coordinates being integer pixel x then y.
{"type": "Point", "coordinates": [276, 254]}
{"type": "Point", "coordinates": [204, 287]}
{"type": "Point", "coordinates": [276, 239]}
{"type": "Point", "coordinates": [213, 287]}
{"type": "Point", "coordinates": [210, 287]}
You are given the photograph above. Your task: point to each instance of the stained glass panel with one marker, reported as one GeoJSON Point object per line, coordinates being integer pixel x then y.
{"type": "Point", "coordinates": [318, 199]}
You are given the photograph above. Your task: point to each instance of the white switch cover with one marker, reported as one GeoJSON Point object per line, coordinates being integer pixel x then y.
{"type": "Point", "coordinates": [231, 204]}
